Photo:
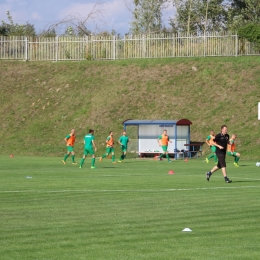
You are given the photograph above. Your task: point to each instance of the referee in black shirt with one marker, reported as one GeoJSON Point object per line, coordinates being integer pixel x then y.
{"type": "Point", "coordinates": [221, 141]}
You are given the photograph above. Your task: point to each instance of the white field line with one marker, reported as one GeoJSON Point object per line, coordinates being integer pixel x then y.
{"type": "Point", "coordinates": [133, 191]}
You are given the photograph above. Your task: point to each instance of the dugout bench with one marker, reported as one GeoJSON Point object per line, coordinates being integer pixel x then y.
{"type": "Point", "coordinates": [175, 155]}
{"type": "Point", "coordinates": [194, 149]}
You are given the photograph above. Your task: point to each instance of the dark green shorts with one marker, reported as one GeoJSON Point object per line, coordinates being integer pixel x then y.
{"type": "Point", "coordinates": [165, 147]}
{"type": "Point", "coordinates": [110, 150]}
{"type": "Point", "coordinates": [213, 148]}
{"type": "Point", "coordinates": [70, 148]}
{"type": "Point", "coordinates": [123, 148]}
{"type": "Point", "coordinates": [232, 153]}
{"type": "Point", "coordinates": [89, 150]}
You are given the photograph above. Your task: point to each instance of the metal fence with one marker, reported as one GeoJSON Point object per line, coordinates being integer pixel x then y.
{"type": "Point", "coordinates": [129, 47]}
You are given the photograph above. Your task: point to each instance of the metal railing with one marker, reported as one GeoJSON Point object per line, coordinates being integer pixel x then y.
{"type": "Point", "coordinates": [129, 47]}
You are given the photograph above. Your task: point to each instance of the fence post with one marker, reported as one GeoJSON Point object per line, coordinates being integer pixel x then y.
{"type": "Point", "coordinates": [144, 46]}
{"type": "Point", "coordinates": [124, 57]}
{"type": "Point", "coordinates": [204, 54]}
{"type": "Point", "coordinates": [26, 49]}
{"type": "Point", "coordinates": [56, 47]}
{"type": "Point", "coordinates": [114, 46]}
{"type": "Point", "coordinates": [236, 44]}
{"type": "Point", "coordinates": [86, 47]}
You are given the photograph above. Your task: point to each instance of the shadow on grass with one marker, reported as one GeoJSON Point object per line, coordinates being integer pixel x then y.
{"type": "Point", "coordinates": [246, 181]}
{"type": "Point", "coordinates": [244, 165]}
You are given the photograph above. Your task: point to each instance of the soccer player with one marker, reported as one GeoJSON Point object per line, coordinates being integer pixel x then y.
{"type": "Point", "coordinates": [212, 146]}
{"type": "Point", "coordinates": [123, 141]}
{"type": "Point", "coordinates": [221, 140]}
{"type": "Point", "coordinates": [109, 147]}
{"type": "Point", "coordinates": [231, 149]}
{"type": "Point", "coordinates": [89, 144]}
{"type": "Point", "coordinates": [70, 140]}
{"type": "Point", "coordinates": [163, 141]}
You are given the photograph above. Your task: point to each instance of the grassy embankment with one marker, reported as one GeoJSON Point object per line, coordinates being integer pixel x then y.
{"type": "Point", "coordinates": [42, 101]}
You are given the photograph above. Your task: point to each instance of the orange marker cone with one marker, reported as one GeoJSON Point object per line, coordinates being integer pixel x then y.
{"type": "Point", "coordinates": [171, 172]}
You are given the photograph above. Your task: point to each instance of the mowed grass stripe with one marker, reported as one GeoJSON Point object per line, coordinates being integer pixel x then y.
{"type": "Point", "coordinates": [147, 190]}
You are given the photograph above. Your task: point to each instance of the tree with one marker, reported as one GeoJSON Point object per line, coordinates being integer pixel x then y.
{"type": "Point", "coordinates": [14, 29]}
{"type": "Point", "coordinates": [75, 25]}
{"type": "Point", "coordinates": [252, 11]}
{"type": "Point", "coordinates": [200, 16]}
{"type": "Point", "coordinates": [48, 33]}
{"type": "Point", "coordinates": [174, 22]}
{"type": "Point", "coordinates": [3, 30]}
{"type": "Point", "coordinates": [242, 12]}
{"type": "Point", "coordinates": [147, 16]}
{"type": "Point", "coordinates": [250, 32]}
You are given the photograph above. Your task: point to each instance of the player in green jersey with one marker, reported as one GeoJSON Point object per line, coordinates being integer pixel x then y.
{"type": "Point", "coordinates": [110, 147]}
{"type": "Point", "coordinates": [163, 141]}
{"type": "Point", "coordinates": [89, 148]}
{"type": "Point", "coordinates": [70, 140]}
{"type": "Point", "coordinates": [231, 149]}
{"type": "Point", "coordinates": [211, 144]}
{"type": "Point", "coordinates": [123, 141]}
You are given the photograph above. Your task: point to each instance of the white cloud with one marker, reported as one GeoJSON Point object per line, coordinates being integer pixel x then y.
{"type": "Point", "coordinates": [36, 16]}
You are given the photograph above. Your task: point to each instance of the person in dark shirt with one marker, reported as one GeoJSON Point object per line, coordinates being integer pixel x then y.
{"type": "Point", "coordinates": [221, 141]}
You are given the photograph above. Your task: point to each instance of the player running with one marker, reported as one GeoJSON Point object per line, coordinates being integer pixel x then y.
{"type": "Point", "coordinates": [89, 144]}
{"type": "Point", "coordinates": [231, 149]}
{"type": "Point", "coordinates": [123, 141]}
{"type": "Point", "coordinates": [109, 147]}
{"type": "Point", "coordinates": [163, 141]}
{"type": "Point", "coordinates": [212, 146]}
{"type": "Point", "coordinates": [70, 140]}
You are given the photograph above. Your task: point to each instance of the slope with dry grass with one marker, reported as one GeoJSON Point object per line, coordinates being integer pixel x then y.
{"type": "Point", "coordinates": [42, 101]}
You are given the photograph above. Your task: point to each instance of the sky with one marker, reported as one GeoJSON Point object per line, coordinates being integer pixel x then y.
{"type": "Point", "coordinates": [109, 14]}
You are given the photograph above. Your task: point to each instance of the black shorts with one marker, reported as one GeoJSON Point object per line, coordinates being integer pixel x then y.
{"type": "Point", "coordinates": [221, 160]}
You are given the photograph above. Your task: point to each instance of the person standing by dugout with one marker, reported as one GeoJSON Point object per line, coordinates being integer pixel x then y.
{"type": "Point", "coordinates": [221, 141]}
{"type": "Point", "coordinates": [163, 141]}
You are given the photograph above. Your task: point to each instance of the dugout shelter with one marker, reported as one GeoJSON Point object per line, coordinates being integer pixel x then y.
{"type": "Point", "coordinates": [148, 132]}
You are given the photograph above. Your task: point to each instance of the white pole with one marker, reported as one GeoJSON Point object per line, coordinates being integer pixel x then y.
{"type": "Point", "coordinates": [57, 40]}
{"type": "Point", "coordinates": [258, 110]}
{"type": "Point", "coordinates": [114, 47]}
{"type": "Point", "coordinates": [236, 45]}
{"type": "Point", "coordinates": [26, 48]}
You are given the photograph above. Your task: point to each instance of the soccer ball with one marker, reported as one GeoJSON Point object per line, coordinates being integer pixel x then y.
{"type": "Point", "coordinates": [257, 164]}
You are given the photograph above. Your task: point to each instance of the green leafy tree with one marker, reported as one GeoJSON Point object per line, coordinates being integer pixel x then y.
{"type": "Point", "coordinates": [147, 16]}
{"type": "Point", "coordinates": [251, 32]}
{"type": "Point", "coordinates": [200, 16]}
{"type": "Point", "coordinates": [15, 29]}
{"type": "Point", "coordinates": [3, 30]}
{"type": "Point", "coordinates": [242, 12]}
{"type": "Point", "coordinates": [48, 33]}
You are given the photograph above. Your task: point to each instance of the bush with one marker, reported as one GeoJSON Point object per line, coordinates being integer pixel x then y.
{"type": "Point", "coordinates": [250, 32]}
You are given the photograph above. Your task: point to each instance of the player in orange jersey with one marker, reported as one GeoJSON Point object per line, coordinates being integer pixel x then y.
{"type": "Point", "coordinates": [163, 141]}
{"type": "Point", "coordinates": [110, 147]}
{"type": "Point", "coordinates": [231, 149]}
{"type": "Point", "coordinates": [70, 140]}
{"type": "Point", "coordinates": [211, 144]}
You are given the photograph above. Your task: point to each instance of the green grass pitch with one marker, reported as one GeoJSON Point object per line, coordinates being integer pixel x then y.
{"type": "Point", "coordinates": [132, 210]}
